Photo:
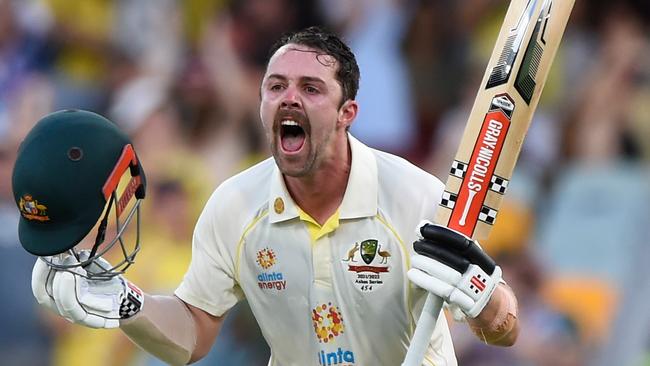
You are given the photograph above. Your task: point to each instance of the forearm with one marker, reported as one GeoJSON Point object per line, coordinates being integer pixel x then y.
{"type": "Point", "coordinates": [497, 324]}
{"type": "Point", "coordinates": [165, 328]}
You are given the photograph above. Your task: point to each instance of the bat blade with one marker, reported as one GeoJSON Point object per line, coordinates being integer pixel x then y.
{"type": "Point", "coordinates": [501, 115]}
{"type": "Point", "coordinates": [495, 131]}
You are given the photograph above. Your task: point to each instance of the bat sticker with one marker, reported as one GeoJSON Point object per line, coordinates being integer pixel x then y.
{"type": "Point", "coordinates": [478, 178]}
{"type": "Point", "coordinates": [499, 184]}
{"type": "Point", "coordinates": [488, 215]}
{"type": "Point", "coordinates": [458, 169]}
{"type": "Point", "coordinates": [525, 82]}
{"type": "Point", "coordinates": [448, 200]}
{"type": "Point", "coordinates": [501, 72]}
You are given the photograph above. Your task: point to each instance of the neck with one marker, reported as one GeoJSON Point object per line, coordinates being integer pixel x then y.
{"type": "Point", "coordinates": [320, 194]}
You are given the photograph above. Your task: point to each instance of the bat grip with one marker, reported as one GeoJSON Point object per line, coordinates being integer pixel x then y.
{"type": "Point", "coordinates": [423, 331]}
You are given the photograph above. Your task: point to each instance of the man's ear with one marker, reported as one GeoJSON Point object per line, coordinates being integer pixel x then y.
{"type": "Point", "coordinates": [347, 113]}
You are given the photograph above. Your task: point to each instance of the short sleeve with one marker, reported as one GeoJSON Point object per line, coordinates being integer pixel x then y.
{"type": "Point", "coordinates": [209, 283]}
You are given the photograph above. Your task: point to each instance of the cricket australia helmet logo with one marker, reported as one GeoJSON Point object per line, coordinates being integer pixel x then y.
{"type": "Point", "coordinates": [31, 209]}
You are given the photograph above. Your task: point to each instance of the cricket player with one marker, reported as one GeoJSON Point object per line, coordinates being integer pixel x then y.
{"type": "Point", "coordinates": [318, 238]}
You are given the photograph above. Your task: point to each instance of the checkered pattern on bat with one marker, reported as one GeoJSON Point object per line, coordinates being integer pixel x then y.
{"type": "Point", "coordinates": [458, 169]}
{"type": "Point", "coordinates": [448, 200]}
{"type": "Point", "coordinates": [488, 215]}
{"type": "Point", "coordinates": [498, 184]}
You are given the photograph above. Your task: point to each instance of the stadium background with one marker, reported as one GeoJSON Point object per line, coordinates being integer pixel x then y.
{"type": "Point", "coordinates": [181, 77]}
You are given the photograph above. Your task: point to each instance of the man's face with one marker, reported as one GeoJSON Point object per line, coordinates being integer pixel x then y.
{"type": "Point", "coordinates": [300, 109]}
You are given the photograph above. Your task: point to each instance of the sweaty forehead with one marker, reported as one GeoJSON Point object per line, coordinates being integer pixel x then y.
{"type": "Point", "coordinates": [299, 60]}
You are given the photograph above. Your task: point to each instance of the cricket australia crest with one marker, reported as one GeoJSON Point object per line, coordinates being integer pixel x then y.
{"type": "Point", "coordinates": [368, 250]}
{"type": "Point", "coordinates": [366, 262]}
{"type": "Point", "coordinates": [31, 209]}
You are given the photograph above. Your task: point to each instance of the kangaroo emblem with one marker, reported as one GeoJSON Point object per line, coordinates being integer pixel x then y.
{"type": "Point", "coordinates": [351, 253]}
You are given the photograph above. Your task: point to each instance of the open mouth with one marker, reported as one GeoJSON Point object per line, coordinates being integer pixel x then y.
{"type": "Point", "coordinates": [292, 136]}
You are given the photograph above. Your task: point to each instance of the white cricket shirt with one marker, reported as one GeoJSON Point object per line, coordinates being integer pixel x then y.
{"type": "Point", "coordinates": [341, 297]}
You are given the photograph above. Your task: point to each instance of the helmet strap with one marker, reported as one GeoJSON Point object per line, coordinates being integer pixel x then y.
{"type": "Point", "coordinates": [101, 231]}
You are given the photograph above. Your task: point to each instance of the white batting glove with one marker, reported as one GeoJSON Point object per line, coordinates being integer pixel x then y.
{"type": "Point", "coordinates": [92, 303]}
{"type": "Point", "coordinates": [42, 281]}
{"type": "Point", "coordinates": [449, 265]}
{"type": "Point", "coordinates": [470, 291]}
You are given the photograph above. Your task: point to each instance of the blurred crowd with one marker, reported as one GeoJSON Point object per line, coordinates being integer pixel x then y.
{"type": "Point", "coordinates": [182, 78]}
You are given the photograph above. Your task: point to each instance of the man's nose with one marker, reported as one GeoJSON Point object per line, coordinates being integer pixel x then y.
{"type": "Point", "coordinates": [291, 99]}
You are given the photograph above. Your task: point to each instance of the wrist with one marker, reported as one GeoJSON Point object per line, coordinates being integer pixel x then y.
{"type": "Point", "coordinates": [497, 323]}
{"type": "Point", "coordinates": [131, 300]}
{"type": "Point", "coordinates": [482, 286]}
{"type": "Point", "coordinates": [165, 328]}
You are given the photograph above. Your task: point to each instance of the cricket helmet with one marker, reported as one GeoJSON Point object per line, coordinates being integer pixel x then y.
{"type": "Point", "coordinates": [65, 181]}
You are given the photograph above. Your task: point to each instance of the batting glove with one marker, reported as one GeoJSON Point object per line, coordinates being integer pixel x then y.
{"type": "Point", "coordinates": [97, 303]}
{"type": "Point", "coordinates": [452, 266]}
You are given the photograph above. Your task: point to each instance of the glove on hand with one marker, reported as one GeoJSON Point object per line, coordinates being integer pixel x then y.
{"type": "Point", "coordinates": [452, 266]}
{"type": "Point", "coordinates": [94, 303]}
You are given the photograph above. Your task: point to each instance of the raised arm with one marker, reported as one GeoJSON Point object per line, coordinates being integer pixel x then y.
{"type": "Point", "coordinates": [172, 330]}
{"type": "Point", "coordinates": [165, 326]}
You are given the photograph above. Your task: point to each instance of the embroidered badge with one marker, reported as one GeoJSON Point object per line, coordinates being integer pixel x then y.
{"type": "Point", "coordinates": [371, 264]}
{"type": "Point", "coordinates": [278, 205]}
{"type": "Point", "coordinates": [31, 209]}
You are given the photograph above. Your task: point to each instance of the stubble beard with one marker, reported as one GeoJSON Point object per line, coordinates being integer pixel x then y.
{"type": "Point", "coordinates": [295, 166]}
{"type": "Point", "coordinates": [311, 162]}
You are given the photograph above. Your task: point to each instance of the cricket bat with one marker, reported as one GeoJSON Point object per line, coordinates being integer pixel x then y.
{"type": "Point", "coordinates": [495, 131]}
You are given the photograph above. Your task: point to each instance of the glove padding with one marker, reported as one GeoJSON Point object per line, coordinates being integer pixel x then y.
{"type": "Point", "coordinates": [452, 266]}
{"type": "Point", "coordinates": [93, 303]}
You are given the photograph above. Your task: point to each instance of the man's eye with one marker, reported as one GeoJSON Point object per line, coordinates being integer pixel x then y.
{"type": "Point", "coordinates": [276, 87]}
{"type": "Point", "coordinates": [311, 89]}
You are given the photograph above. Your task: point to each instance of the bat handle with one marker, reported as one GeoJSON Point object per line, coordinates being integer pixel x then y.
{"type": "Point", "coordinates": [423, 331]}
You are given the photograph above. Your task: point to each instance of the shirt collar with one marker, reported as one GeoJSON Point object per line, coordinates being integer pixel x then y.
{"type": "Point", "coordinates": [360, 199]}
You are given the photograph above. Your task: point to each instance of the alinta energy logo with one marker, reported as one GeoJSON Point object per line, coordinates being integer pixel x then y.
{"type": "Point", "coordinates": [328, 324]}
{"type": "Point", "coordinates": [266, 259]}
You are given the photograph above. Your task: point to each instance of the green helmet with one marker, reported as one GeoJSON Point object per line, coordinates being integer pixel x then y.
{"type": "Point", "coordinates": [66, 175]}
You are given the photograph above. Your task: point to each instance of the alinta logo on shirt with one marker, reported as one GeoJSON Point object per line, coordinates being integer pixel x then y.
{"type": "Point", "coordinates": [266, 258]}
{"type": "Point", "coordinates": [328, 325]}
